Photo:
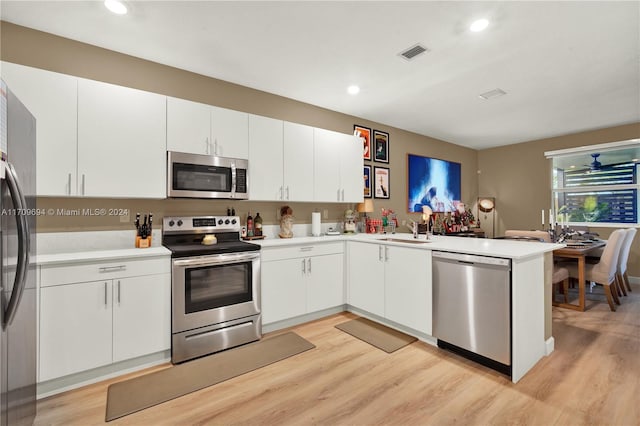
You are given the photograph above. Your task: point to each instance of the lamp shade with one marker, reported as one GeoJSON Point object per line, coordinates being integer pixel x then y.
{"type": "Point", "coordinates": [366, 207]}
{"type": "Point", "coordinates": [486, 204]}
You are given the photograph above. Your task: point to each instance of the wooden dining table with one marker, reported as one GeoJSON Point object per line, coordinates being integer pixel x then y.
{"type": "Point", "coordinates": [579, 253]}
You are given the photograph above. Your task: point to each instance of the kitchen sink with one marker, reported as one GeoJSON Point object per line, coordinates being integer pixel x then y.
{"type": "Point", "coordinates": [398, 240]}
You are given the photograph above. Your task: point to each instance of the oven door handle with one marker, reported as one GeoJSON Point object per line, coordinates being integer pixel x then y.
{"type": "Point", "coordinates": [216, 259]}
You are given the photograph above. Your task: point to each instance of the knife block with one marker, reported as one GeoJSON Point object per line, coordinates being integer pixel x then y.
{"type": "Point", "coordinates": [143, 242]}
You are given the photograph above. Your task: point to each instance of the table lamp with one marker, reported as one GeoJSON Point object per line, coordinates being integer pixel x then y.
{"type": "Point", "coordinates": [366, 207]}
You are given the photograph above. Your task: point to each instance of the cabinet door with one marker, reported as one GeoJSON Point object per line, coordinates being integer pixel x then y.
{"type": "Point", "coordinates": [351, 166]}
{"type": "Point", "coordinates": [298, 162]}
{"type": "Point", "coordinates": [366, 277]}
{"type": "Point", "coordinates": [188, 127]}
{"type": "Point", "coordinates": [408, 287]}
{"type": "Point", "coordinates": [75, 328]}
{"type": "Point", "coordinates": [141, 316]}
{"type": "Point", "coordinates": [230, 133]}
{"type": "Point", "coordinates": [265, 158]}
{"type": "Point", "coordinates": [284, 293]}
{"type": "Point", "coordinates": [326, 165]}
{"type": "Point", "coordinates": [52, 98]}
{"type": "Point", "coordinates": [325, 282]}
{"type": "Point", "coordinates": [121, 141]}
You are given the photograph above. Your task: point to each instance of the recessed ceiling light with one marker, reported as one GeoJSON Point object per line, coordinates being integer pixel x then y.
{"type": "Point", "coordinates": [353, 89]}
{"type": "Point", "coordinates": [479, 25]}
{"type": "Point", "coordinates": [115, 6]}
{"type": "Point", "coordinates": [572, 167]}
{"type": "Point", "coordinates": [635, 160]}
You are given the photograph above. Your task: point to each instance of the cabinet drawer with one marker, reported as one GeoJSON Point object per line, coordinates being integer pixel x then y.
{"type": "Point", "coordinates": [281, 253]}
{"type": "Point", "coordinates": [65, 274]}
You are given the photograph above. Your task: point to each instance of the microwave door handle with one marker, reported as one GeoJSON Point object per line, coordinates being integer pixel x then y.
{"type": "Point", "coordinates": [19, 282]}
{"type": "Point", "coordinates": [233, 178]}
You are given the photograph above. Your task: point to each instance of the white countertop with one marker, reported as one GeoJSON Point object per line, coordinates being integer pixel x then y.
{"type": "Point", "coordinates": [508, 249]}
{"type": "Point", "coordinates": [98, 255]}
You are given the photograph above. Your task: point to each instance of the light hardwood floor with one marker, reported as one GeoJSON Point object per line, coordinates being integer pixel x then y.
{"type": "Point", "coordinates": [593, 377]}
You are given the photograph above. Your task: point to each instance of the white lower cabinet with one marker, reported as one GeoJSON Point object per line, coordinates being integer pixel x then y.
{"type": "Point", "coordinates": [391, 282]}
{"type": "Point", "coordinates": [89, 324]}
{"type": "Point", "coordinates": [301, 280]}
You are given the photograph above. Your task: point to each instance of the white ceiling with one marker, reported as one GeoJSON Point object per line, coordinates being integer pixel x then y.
{"type": "Point", "coordinates": [566, 66]}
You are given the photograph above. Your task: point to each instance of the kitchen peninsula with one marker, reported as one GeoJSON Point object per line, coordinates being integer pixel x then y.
{"type": "Point", "coordinates": [404, 299]}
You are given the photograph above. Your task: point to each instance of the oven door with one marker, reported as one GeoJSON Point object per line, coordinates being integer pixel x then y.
{"type": "Point", "coordinates": [208, 290]}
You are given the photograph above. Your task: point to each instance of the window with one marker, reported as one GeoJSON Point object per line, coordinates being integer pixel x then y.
{"type": "Point", "coordinates": [597, 184]}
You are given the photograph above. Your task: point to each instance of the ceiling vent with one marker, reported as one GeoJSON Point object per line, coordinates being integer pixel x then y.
{"type": "Point", "coordinates": [413, 51]}
{"type": "Point", "coordinates": [491, 94]}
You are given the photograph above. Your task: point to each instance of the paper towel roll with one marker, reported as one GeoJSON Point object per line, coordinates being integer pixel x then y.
{"type": "Point", "coordinates": [315, 224]}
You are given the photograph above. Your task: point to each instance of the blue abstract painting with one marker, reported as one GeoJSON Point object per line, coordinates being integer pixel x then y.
{"type": "Point", "coordinates": [434, 183]}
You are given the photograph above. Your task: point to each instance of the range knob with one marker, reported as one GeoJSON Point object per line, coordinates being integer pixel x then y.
{"type": "Point", "coordinates": [171, 223]}
{"type": "Point", "coordinates": [233, 221]}
{"type": "Point", "coordinates": [179, 223]}
{"type": "Point", "coordinates": [220, 221]}
{"type": "Point", "coordinates": [226, 222]}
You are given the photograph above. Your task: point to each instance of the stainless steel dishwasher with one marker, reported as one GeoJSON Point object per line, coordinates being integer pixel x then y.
{"type": "Point", "coordinates": [472, 307]}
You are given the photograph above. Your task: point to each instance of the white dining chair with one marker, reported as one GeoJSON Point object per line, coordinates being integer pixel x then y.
{"type": "Point", "coordinates": [604, 272]}
{"type": "Point", "coordinates": [625, 249]}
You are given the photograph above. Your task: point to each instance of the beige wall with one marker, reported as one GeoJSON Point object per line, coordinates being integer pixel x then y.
{"type": "Point", "coordinates": [519, 177]}
{"type": "Point", "coordinates": [37, 49]}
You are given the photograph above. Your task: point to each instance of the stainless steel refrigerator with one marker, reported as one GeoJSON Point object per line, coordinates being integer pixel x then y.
{"type": "Point", "coordinates": [18, 273]}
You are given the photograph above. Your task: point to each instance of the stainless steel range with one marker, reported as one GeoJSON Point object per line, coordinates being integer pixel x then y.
{"type": "Point", "coordinates": [215, 285]}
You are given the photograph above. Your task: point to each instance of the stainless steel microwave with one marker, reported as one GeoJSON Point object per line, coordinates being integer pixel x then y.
{"type": "Point", "coordinates": [206, 176]}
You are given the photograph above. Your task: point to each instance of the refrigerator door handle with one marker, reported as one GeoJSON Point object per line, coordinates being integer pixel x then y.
{"type": "Point", "coordinates": [20, 280]}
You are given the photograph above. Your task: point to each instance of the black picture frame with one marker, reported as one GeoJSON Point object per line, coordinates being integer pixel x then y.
{"type": "Point", "coordinates": [381, 182]}
{"type": "Point", "coordinates": [364, 133]}
{"type": "Point", "coordinates": [367, 182]}
{"type": "Point", "coordinates": [381, 146]}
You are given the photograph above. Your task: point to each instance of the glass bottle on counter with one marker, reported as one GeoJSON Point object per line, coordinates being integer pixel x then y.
{"type": "Point", "coordinates": [257, 225]}
{"type": "Point", "coordinates": [249, 225]}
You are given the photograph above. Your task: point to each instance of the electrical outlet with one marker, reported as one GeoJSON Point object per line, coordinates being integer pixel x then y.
{"type": "Point", "coordinates": [404, 223]}
{"type": "Point", "coordinates": [325, 214]}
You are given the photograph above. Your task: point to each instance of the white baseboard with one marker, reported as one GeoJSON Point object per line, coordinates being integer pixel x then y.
{"type": "Point", "coordinates": [634, 280]}
{"type": "Point", "coordinates": [550, 345]}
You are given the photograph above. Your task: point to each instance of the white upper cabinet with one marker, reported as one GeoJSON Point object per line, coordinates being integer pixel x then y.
{"type": "Point", "coordinates": [189, 127]}
{"type": "Point", "coordinates": [265, 158]}
{"type": "Point", "coordinates": [230, 133]}
{"type": "Point", "coordinates": [52, 99]}
{"type": "Point", "coordinates": [199, 128]}
{"type": "Point", "coordinates": [351, 169]}
{"type": "Point", "coordinates": [298, 162]}
{"type": "Point", "coordinates": [337, 167]}
{"type": "Point", "coordinates": [121, 141]}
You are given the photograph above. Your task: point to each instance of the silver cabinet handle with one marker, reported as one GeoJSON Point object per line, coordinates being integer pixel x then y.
{"type": "Point", "coordinates": [83, 184]}
{"type": "Point", "coordinates": [215, 146]}
{"type": "Point", "coordinates": [386, 254]}
{"type": "Point", "coordinates": [309, 261]}
{"type": "Point", "coordinates": [112, 268]}
{"type": "Point", "coordinates": [281, 196]}
{"type": "Point", "coordinates": [207, 148]}
{"type": "Point", "coordinates": [105, 293]}
{"type": "Point", "coordinates": [380, 253]}
{"type": "Point", "coordinates": [287, 192]}
{"type": "Point", "coordinates": [69, 184]}
{"type": "Point", "coordinates": [304, 267]}
{"type": "Point", "coordinates": [118, 292]}
{"type": "Point", "coordinates": [308, 248]}
{"type": "Point", "coordinates": [343, 195]}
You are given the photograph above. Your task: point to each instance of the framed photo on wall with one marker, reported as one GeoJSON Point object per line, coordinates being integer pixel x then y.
{"type": "Point", "coordinates": [365, 135]}
{"type": "Point", "coordinates": [381, 146]}
{"type": "Point", "coordinates": [367, 182]}
{"type": "Point", "coordinates": [381, 182]}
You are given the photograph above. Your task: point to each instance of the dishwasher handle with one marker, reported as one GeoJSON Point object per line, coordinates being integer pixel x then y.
{"type": "Point", "coordinates": [471, 259]}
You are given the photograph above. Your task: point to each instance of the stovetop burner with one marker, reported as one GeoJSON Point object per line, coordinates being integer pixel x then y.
{"type": "Point", "coordinates": [184, 236]}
